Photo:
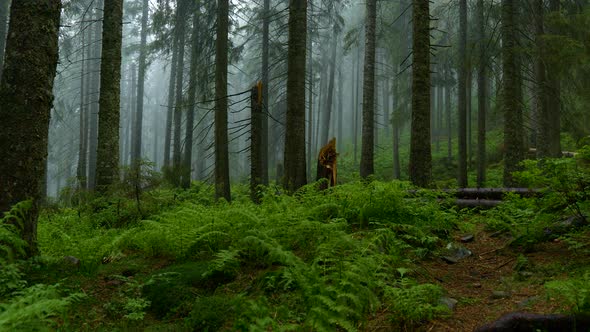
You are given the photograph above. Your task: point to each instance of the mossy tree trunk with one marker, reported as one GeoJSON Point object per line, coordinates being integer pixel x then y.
{"type": "Point", "coordinates": [107, 167]}
{"type": "Point", "coordinates": [511, 93]}
{"type": "Point", "coordinates": [328, 106]}
{"type": "Point", "coordinates": [420, 150]}
{"type": "Point", "coordinates": [294, 155]}
{"type": "Point", "coordinates": [368, 133]}
{"type": "Point", "coordinates": [26, 99]}
{"type": "Point", "coordinates": [170, 109]}
{"type": "Point", "coordinates": [222, 185]}
{"type": "Point", "coordinates": [94, 95]}
{"type": "Point", "coordinates": [554, 98]}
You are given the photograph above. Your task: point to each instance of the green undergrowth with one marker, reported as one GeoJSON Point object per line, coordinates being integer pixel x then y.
{"type": "Point", "coordinates": [315, 260]}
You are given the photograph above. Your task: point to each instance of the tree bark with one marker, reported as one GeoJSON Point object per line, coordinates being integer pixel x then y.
{"type": "Point", "coordinates": [170, 113]}
{"type": "Point", "coordinates": [222, 185]}
{"type": "Point", "coordinates": [368, 133]}
{"type": "Point", "coordinates": [94, 94]}
{"type": "Point", "coordinates": [294, 155]}
{"type": "Point", "coordinates": [192, 93]}
{"type": "Point", "coordinates": [310, 91]}
{"type": "Point", "coordinates": [420, 150]}
{"type": "Point", "coordinates": [554, 99]}
{"type": "Point", "coordinates": [26, 99]}
{"type": "Point", "coordinates": [83, 137]}
{"type": "Point", "coordinates": [179, 105]}
{"type": "Point", "coordinates": [265, 98]}
{"type": "Point", "coordinates": [327, 112]}
{"type": "Point", "coordinates": [4, 18]}
{"type": "Point", "coordinates": [107, 168]}
{"type": "Point", "coordinates": [511, 103]}
{"type": "Point", "coordinates": [256, 143]}
{"type": "Point", "coordinates": [462, 95]}
{"type": "Point", "coordinates": [140, 87]}
{"type": "Point", "coordinates": [482, 98]}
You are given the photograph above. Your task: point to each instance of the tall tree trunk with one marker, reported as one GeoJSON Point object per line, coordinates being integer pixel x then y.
{"type": "Point", "coordinates": [192, 92]}
{"type": "Point", "coordinates": [386, 96]}
{"type": "Point", "coordinates": [294, 155]}
{"type": "Point", "coordinates": [83, 137]}
{"type": "Point", "coordinates": [554, 99]}
{"type": "Point", "coordinates": [256, 143]}
{"type": "Point", "coordinates": [310, 91]}
{"type": "Point", "coordinates": [340, 109]}
{"type": "Point", "coordinates": [136, 157]}
{"type": "Point", "coordinates": [511, 106]}
{"type": "Point", "coordinates": [265, 99]}
{"type": "Point", "coordinates": [462, 95]}
{"type": "Point", "coordinates": [395, 125]}
{"type": "Point", "coordinates": [4, 18]}
{"type": "Point", "coordinates": [178, 109]}
{"type": "Point", "coordinates": [448, 86]}
{"type": "Point", "coordinates": [107, 168]}
{"type": "Point", "coordinates": [26, 99]}
{"type": "Point", "coordinates": [170, 112]}
{"type": "Point", "coordinates": [367, 142]}
{"type": "Point", "coordinates": [327, 112]}
{"type": "Point", "coordinates": [94, 95]}
{"type": "Point", "coordinates": [222, 186]}
{"type": "Point", "coordinates": [482, 97]}
{"type": "Point", "coordinates": [420, 153]}
{"type": "Point", "coordinates": [128, 150]}
{"type": "Point", "coordinates": [541, 89]}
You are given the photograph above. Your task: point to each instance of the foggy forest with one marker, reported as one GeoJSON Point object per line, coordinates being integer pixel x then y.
{"type": "Point", "coordinates": [294, 165]}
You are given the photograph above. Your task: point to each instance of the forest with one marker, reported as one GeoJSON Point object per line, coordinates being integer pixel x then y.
{"type": "Point", "coordinates": [294, 165]}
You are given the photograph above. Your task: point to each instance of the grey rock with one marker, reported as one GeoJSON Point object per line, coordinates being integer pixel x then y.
{"type": "Point", "coordinates": [467, 238]}
{"type": "Point", "coordinates": [455, 252]}
{"type": "Point", "coordinates": [72, 261]}
{"type": "Point", "coordinates": [449, 302]}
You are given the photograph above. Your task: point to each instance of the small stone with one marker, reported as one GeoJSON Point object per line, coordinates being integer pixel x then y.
{"type": "Point", "coordinates": [455, 253]}
{"type": "Point", "coordinates": [449, 302]}
{"type": "Point", "coordinates": [467, 238]}
{"type": "Point", "coordinates": [500, 295]}
{"type": "Point", "coordinates": [525, 274]}
{"type": "Point", "coordinates": [71, 260]}
{"type": "Point", "coordinates": [476, 285]}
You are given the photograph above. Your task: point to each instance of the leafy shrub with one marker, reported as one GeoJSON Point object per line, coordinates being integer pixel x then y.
{"type": "Point", "coordinates": [410, 303]}
{"type": "Point", "coordinates": [575, 292]}
{"type": "Point", "coordinates": [209, 313]}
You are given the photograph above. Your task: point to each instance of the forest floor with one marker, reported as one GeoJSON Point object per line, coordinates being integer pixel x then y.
{"type": "Point", "coordinates": [497, 279]}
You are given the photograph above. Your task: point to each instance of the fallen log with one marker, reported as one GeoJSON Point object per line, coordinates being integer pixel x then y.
{"type": "Point", "coordinates": [477, 203]}
{"type": "Point", "coordinates": [483, 193]}
{"type": "Point", "coordinates": [525, 322]}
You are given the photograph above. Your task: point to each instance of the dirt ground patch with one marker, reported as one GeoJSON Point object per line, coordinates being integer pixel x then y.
{"type": "Point", "coordinates": [487, 285]}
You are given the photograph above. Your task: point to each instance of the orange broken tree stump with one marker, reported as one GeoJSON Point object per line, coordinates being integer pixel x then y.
{"type": "Point", "coordinates": [327, 164]}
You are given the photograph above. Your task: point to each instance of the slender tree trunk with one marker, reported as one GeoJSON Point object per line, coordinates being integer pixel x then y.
{"type": "Point", "coordinates": [294, 155]}
{"type": "Point", "coordinates": [136, 157]}
{"type": "Point", "coordinates": [107, 168]}
{"type": "Point", "coordinates": [4, 18]}
{"type": "Point", "coordinates": [256, 144]}
{"type": "Point", "coordinates": [395, 125]}
{"type": "Point", "coordinates": [192, 93]}
{"type": "Point", "coordinates": [469, 109]}
{"type": "Point", "coordinates": [178, 109]}
{"type": "Point", "coordinates": [541, 89]}
{"type": "Point", "coordinates": [462, 95]}
{"type": "Point", "coordinates": [420, 153]}
{"type": "Point", "coordinates": [327, 112]}
{"type": "Point", "coordinates": [340, 109]}
{"type": "Point", "coordinates": [368, 138]}
{"type": "Point", "coordinates": [482, 97]}
{"type": "Point", "coordinates": [554, 99]}
{"type": "Point", "coordinates": [310, 92]}
{"type": "Point", "coordinates": [94, 96]}
{"type": "Point", "coordinates": [265, 98]}
{"type": "Point", "coordinates": [511, 106]}
{"type": "Point", "coordinates": [25, 104]}
{"type": "Point", "coordinates": [448, 75]}
{"type": "Point", "coordinates": [131, 125]}
{"type": "Point", "coordinates": [170, 113]}
{"type": "Point", "coordinates": [222, 186]}
{"type": "Point", "coordinates": [83, 137]}
{"type": "Point", "coordinates": [357, 103]}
